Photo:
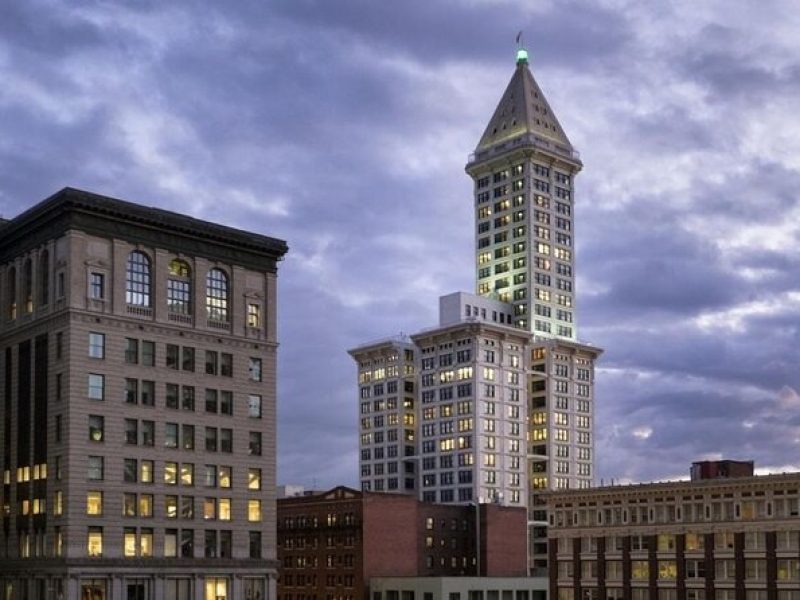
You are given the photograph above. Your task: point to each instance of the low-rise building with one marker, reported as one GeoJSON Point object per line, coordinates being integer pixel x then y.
{"type": "Point", "coordinates": [331, 544]}
{"type": "Point", "coordinates": [726, 537]}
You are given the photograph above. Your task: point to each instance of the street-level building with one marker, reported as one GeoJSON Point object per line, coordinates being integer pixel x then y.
{"type": "Point", "coordinates": [719, 538]}
{"type": "Point", "coordinates": [138, 381]}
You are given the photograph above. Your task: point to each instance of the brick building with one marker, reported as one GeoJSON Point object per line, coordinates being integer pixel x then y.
{"type": "Point", "coordinates": [330, 544]}
{"type": "Point", "coordinates": [137, 378]}
{"type": "Point", "coordinates": [724, 537]}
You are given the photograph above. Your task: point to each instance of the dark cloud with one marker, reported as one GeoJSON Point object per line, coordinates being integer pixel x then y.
{"type": "Point", "coordinates": [344, 127]}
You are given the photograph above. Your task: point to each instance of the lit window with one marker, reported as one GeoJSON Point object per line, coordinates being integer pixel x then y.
{"type": "Point", "coordinates": [253, 510]}
{"type": "Point", "coordinates": [254, 479]}
{"type": "Point", "coordinates": [146, 543]}
{"type": "Point", "coordinates": [137, 282]}
{"type": "Point", "coordinates": [94, 541]}
{"type": "Point", "coordinates": [224, 509]}
{"type": "Point", "coordinates": [146, 505]}
{"type": "Point", "coordinates": [254, 315]}
{"type": "Point", "coordinates": [171, 473]}
{"type": "Point", "coordinates": [187, 474]}
{"type": "Point", "coordinates": [96, 428]}
{"type": "Point", "coordinates": [224, 477]}
{"type": "Point", "coordinates": [216, 588]}
{"type": "Point", "coordinates": [146, 471]}
{"type": "Point", "coordinates": [179, 288]}
{"type": "Point", "coordinates": [129, 542]}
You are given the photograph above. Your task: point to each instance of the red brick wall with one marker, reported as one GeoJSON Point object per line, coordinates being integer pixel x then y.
{"type": "Point", "coordinates": [504, 551]}
{"type": "Point", "coordinates": [390, 535]}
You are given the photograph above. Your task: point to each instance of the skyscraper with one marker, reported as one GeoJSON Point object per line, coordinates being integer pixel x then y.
{"type": "Point", "coordinates": [523, 169]}
{"type": "Point", "coordinates": [137, 381]}
{"type": "Point", "coordinates": [504, 391]}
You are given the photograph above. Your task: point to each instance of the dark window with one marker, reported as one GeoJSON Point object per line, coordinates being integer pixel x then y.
{"type": "Point", "coordinates": [97, 286]}
{"type": "Point", "coordinates": [255, 443]}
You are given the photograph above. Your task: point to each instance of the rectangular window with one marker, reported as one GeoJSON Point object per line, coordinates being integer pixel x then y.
{"type": "Point", "coordinates": [97, 286]}
{"type": "Point", "coordinates": [226, 440]}
{"type": "Point", "coordinates": [254, 448]}
{"type": "Point", "coordinates": [226, 365]}
{"type": "Point", "coordinates": [97, 345]}
{"type": "Point", "coordinates": [171, 396]}
{"type": "Point", "coordinates": [255, 369]}
{"type": "Point", "coordinates": [95, 468]}
{"type": "Point", "coordinates": [253, 315]}
{"type": "Point", "coordinates": [212, 361]}
{"type": "Point", "coordinates": [97, 385]}
{"type": "Point", "coordinates": [146, 471]}
{"type": "Point", "coordinates": [131, 391]}
{"type": "Point", "coordinates": [131, 351]}
{"type": "Point", "coordinates": [254, 479]}
{"type": "Point", "coordinates": [94, 503]}
{"type": "Point", "coordinates": [187, 397]}
{"type": "Point", "coordinates": [171, 473]}
{"type": "Point", "coordinates": [171, 435]}
{"type": "Point", "coordinates": [188, 359]}
{"type": "Point", "coordinates": [131, 431]}
{"type": "Point", "coordinates": [96, 428]}
{"type": "Point", "coordinates": [211, 439]}
{"type": "Point", "coordinates": [94, 542]}
{"type": "Point", "coordinates": [148, 354]}
{"type": "Point", "coordinates": [129, 470]}
{"type": "Point", "coordinates": [254, 510]}
{"type": "Point", "coordinates": [254, 406]}
{"type": "Point", "coordinates": [211, 401]}
{"type": "Point", "coordinates": [187, 437]}
{"type": "Point", "coordinates": [148, 393]}
{"type": "Point", "coordinates": [172, 356]}
{"type": "Point", "coordinates": [226, 403]}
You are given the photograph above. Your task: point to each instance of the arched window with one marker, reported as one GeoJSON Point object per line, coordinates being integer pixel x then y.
{"type": "Point", "coordinates": [179, 287]}
{"type": "Point", "coordinates": [44, 277]}
{"type": "Point", "coordinates": [217, 295]}
{"type": "Point", "coordinates": [137, 281]}
{"type": "Point", "coordinates": [27, 285]}
{"type": "Point", "coordinates": [11, 290]}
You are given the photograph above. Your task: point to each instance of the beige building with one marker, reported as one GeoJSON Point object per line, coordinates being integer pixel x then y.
{"type": "Point", "coordinates": [727, 537]}
{"type": "Point", "coordinates": [138, 404]}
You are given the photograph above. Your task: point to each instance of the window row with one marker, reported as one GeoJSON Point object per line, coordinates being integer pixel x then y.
{"type": "Point", "coordinates": [139, 542]}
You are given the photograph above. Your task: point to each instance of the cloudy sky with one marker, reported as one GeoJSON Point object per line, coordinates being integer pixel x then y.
{"type": "Point", "coordinates": [343, 126]}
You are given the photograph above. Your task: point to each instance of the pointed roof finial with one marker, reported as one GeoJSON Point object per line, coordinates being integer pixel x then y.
{"type": "Point", "coordinates": [522, 53]}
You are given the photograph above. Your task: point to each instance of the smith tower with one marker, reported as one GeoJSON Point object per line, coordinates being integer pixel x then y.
{"type": "Point", "coordinates": [523, 169]}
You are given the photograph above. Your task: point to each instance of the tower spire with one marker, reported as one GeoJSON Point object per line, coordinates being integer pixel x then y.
{"type": "Point", "coordinates": [522, 53]}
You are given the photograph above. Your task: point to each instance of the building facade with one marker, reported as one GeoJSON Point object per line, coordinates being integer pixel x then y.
{"type": "Point", "coordinates": [332, 544]}
{"type": "Point", "coordinates": [724, 538]}
{"type": "Point", "coordinates": [138, 404]}
{"type": "Point", "coordinates": [504, 390]}
{"type": "Point", "coordinates": [523, 170]}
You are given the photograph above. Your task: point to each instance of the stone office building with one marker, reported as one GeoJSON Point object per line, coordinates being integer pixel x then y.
{"type": "Point", "coordinates": [724, 535]}
{"type": "Point", "coordinates": [137, 386]}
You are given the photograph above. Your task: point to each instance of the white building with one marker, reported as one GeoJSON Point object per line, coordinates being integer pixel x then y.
{"type": "Point", "coordinates": [502, 391]}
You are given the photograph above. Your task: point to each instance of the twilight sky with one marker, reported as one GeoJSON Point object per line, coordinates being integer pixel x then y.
{"type": "Point", "coordinates": [344, 126]}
